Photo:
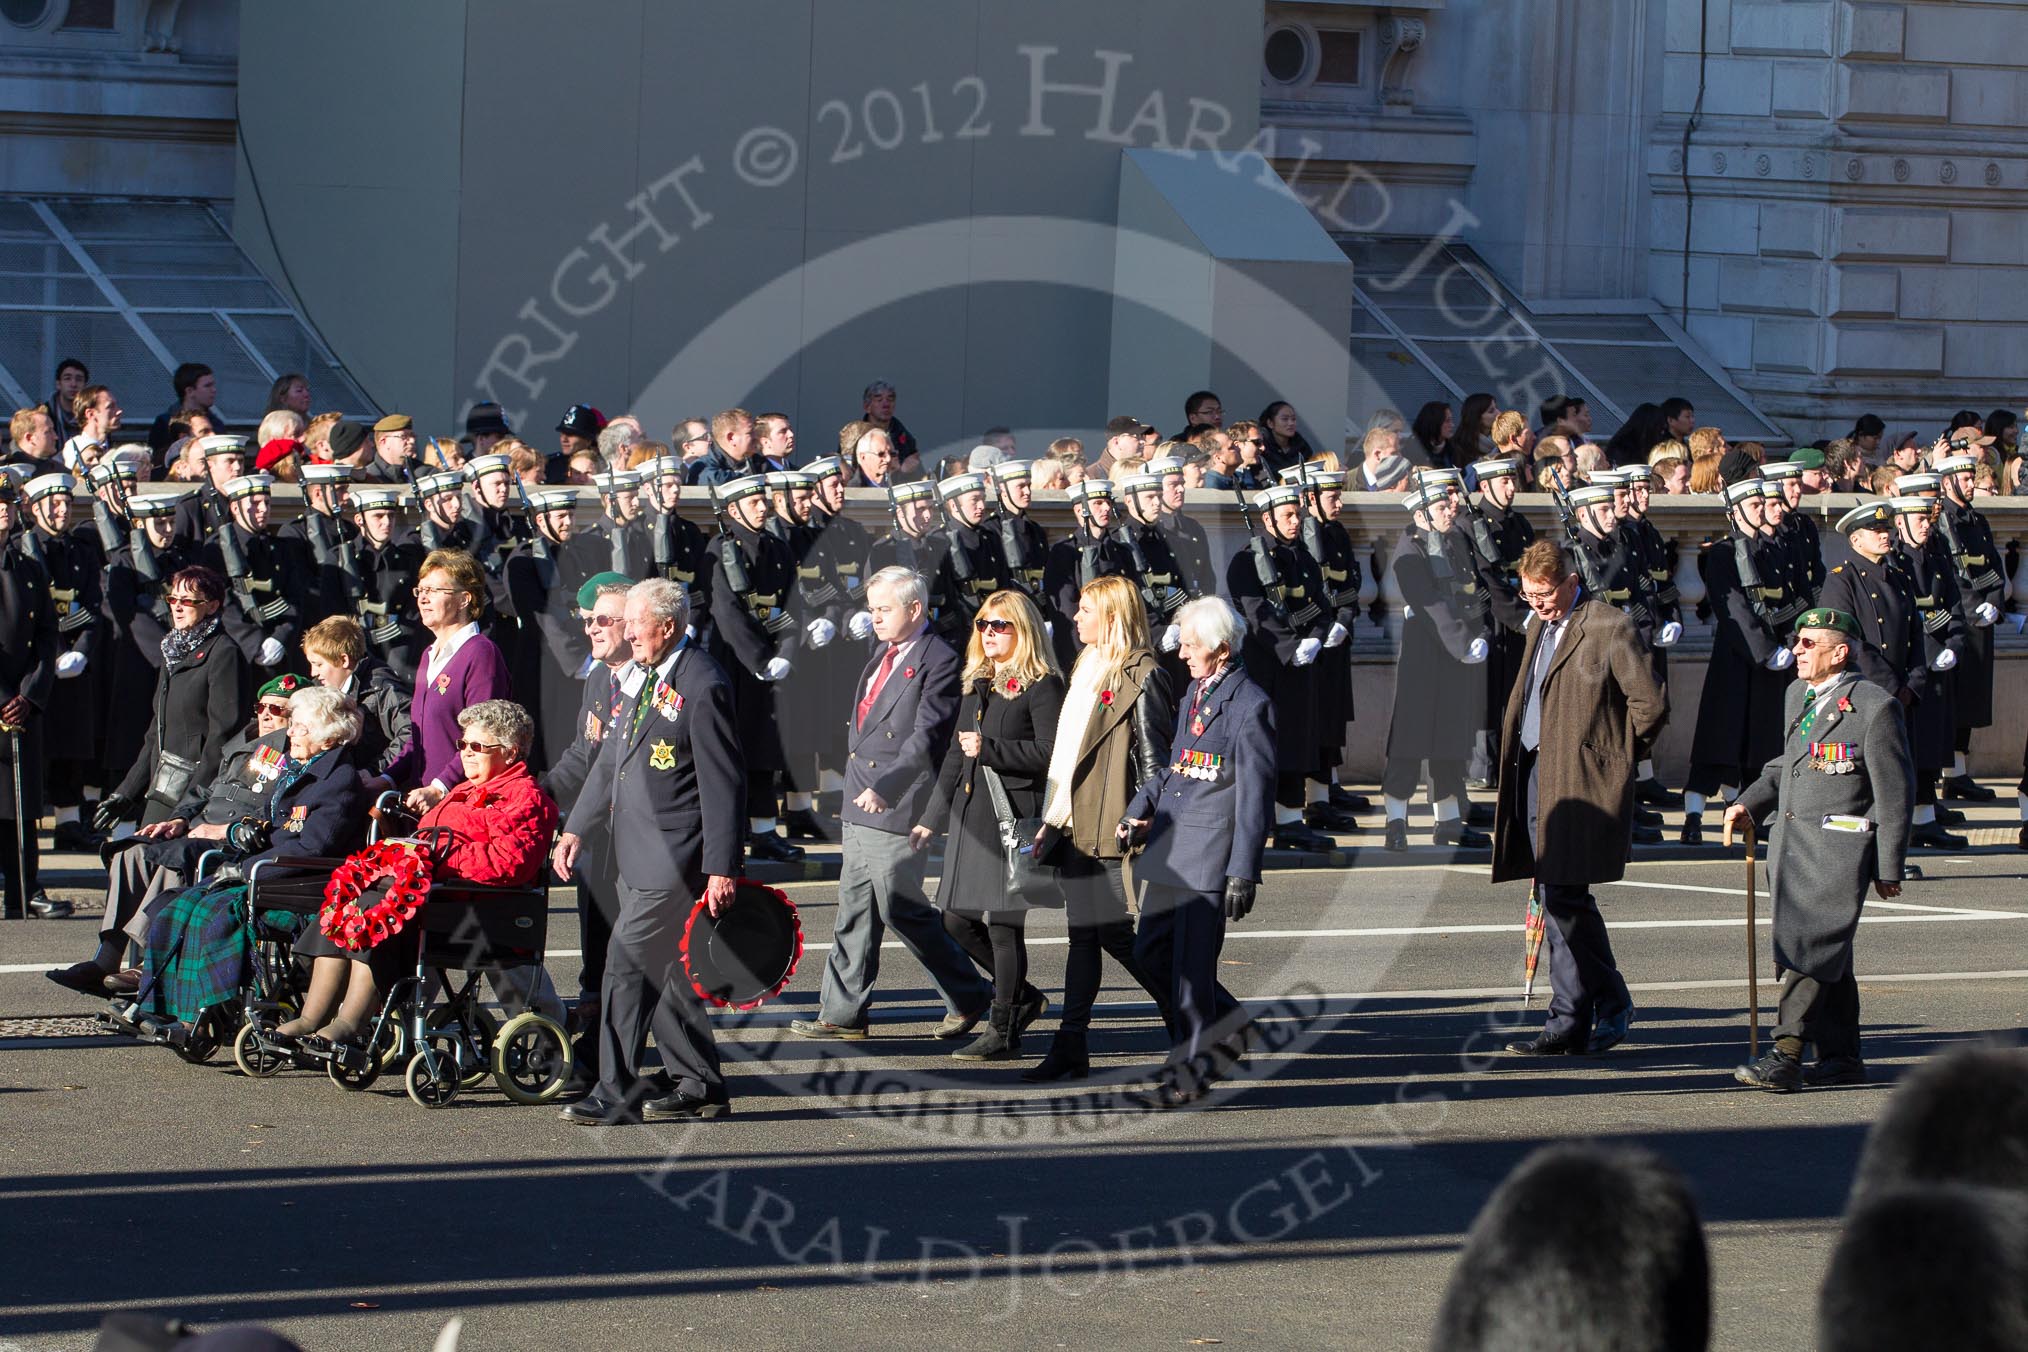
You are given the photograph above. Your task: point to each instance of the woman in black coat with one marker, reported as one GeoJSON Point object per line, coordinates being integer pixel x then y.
{"type": "Point", "coordinates": [1284, 445]}
{"type": "Point", "coordinates": [1006, 724]}
{"type": "Point", "coordinates": [200, 704]}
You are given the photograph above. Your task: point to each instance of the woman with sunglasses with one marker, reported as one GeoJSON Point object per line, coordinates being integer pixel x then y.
{"type": "Point", "coordinates": [492, 827]}
{"type": "Point", "coordinates": [200, 705]}
{"type": "Point", "coordinates": [1006, 725]}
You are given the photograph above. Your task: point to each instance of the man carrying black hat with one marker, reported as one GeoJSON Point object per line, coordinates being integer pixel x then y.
{"type": "Point", "coordinates": [1838, 796]}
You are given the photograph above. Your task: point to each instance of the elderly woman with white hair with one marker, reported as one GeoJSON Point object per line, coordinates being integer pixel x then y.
{"type": "Point", "coordinates": [1202, 821]}
{"type": "Point", "coordinates": [197, 944]}
{"type": "Point", "coordinates": [492, 827]}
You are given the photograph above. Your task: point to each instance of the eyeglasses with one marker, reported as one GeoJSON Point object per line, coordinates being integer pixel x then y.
{"type": "Point", "coordinates": [988, 626]}
{"type": "Point", "coordinates": [602, 621]}
{"type": "Point", "coordinates": [176, 600]}
{"type": "Point", "coordinates": [1805, 644]}
{"type": "Point", "coordinates": [421, 592]}
{"type": "Point", "coordinates": [274, 710]}
{"type": "Point", "coordinates": [493, 747]}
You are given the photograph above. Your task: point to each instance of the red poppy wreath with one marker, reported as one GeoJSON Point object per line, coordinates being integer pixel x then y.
{"type": "Point", "coordinates": [404, 869]}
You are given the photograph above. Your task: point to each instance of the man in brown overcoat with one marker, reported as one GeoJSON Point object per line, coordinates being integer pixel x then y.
{"type": "Point", "coordinates": [1582, 715]}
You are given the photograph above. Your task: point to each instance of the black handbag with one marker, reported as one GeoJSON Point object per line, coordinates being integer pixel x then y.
{"type": "Point", "coordinates": [173, 776]}
{"type": "Point", "coordinates": [1030, 881]}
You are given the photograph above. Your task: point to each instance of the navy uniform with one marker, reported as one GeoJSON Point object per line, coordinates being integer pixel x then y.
{"type": "Point", "coordinates": [72, 747]}
{"type": "Point", "coordinates": [1091, 551]}
{"type": "Point", "coordinates": [913, 543]}
{"type": "Point", "coordinates": [970, 567]}
{"type": "Point", "coordinates": [1024, 545]}
{"type": "Point", "coordinates": [136, 581]}
{"type": "Point", "coordinates": [1278, 587]}
{"type": "Point", "coordinates": [757, 640]}
{"type": "Point", "coordinates": [1650, 572]}
{"type": "Point", "coordinates": [1497, 554]}
{"type": "Point", "coordinates": [432, 532]}
{"type": "Point", "coordinates": [1326, 541]}
{"type": "Point", "coordinates": [27, 670]}
{"type": "Point", "coordinates": [666, 784]}
{"type": "Point", "coordinates": [1925, 561]}
{"type": "Point", "coordinates": [808, 697]}
{"type": "Point", "coordinates": [328, 540]}
{"type": "Point", "coordinates": [678, 549]}
{"type": "Point", "coordinates": [1798, 533]}
{"type": "Point", "coordinates": [840, 552]}
{"type": "Point", "coordinates": [1437, 696]}
{"type": "Point", "coordinates": [1739, 711]}
{"type": "Point", "coordinates": [1187, 540]}
{"type": "Point", "coordinates": [382, 593]}
{"type": "Point", "coordinates": [201, 514]}
{"type": "Point", "coordinates": [267, 581]}
{"type": "Point", "coordinates": [621, 532]}
{"type": "Point", "coordinates": [1976, 558]}
{"type": "Point", "coordinates": [497, 532]}
{"type": "Point", "coordinates": [540, 580]}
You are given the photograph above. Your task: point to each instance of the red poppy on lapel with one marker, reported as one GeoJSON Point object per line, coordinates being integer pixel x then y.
{"type": "Point", "coordinates": [1013, 685]}
{"type": "Point", "coordinates": [908, 673]}
{"type": "Point", "coordinates": [1106, 698]}
{"type": "Point", "coordinates": [1844, 704]}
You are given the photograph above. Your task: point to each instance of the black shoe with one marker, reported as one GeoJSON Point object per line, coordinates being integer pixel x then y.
{"type": "Point", "coordinates": [1966, 789]}
{"type": "Point", "coordinates": [1067, 1059]}
{"type": "Point", "coordinates": [1397, 835]}
{"type": "Point", "coordinates": [772, 848]}
{"type": "Point", "coordinates": [681, 1107]}
{"type": "Point", "coordinates": [1460, 835]}
{"type": "Point", "coordinates": [1836, 1070]}
{"type": "Point", "coordinates": [803, 824]}
{"type": "Point", "coordinates": [1298, 837]}
{"type": "Point", "coordinates": [1351, 802]}
{"type": "Point", "coordinates": [75, 837]}
{"type": "Point", "coordinates": [1324, 817]}
{"type": "Point", "coordinates": [1693, 830]}
{"type": "Point", "coordinates": [1000, 1042]}
{"type": "Point", "coordinates": [1032, 1006]}
{"type": "Point", "coordinates": [1542, 1044]}
{"type": "Point", "coordinates": [592, 1111]}
{"type": "Point", "coordinates": [1777, 1071]}
{"type": "Point", "coordinates": [1655, 793]}
{"type": "Point", "coordinates": [44, 907]}
{"type": "Point", "coordinates": [1647, 817]}
{"type": "Point", "coordinates": [1932, 836]}
{"type": "Point", "coordinates": [1609, 1033]}
{"type": "Point", "coordinates": [86, 978]}
{"type": "Point", "coordinates": [1478, 814]}
{"type": "Point", "coordinates": [1647, 835]}
{"type": "Point", "coordinates": [2021, 841]}
{"type": "Point", "coordinates": [1948, 816]}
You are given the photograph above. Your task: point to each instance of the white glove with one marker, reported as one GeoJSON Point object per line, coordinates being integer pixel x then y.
{"type": "Point", "coordinates": [1477, 652]}
{"type": "Point", "coordinates": [1049, 628]}
{"type": "Point", "coordinates": [777, 669]}
{"type": "Point", "coordinates": [1408, 612]}
{"type": "Point", "coordinates": [1943, 661]}
{"type": "Point", "coordinates": [860, 625]}
{"type": "Point", "coordinates": [271, 652]}
{"type": "Point", "coordinates": [1782, 660]}
{"type": "Point", "coordinates": [1172, 638]}
{"type": "Point", "coordinates": [1985, 613]}
{"type": "Point", "coordinates": [1307, 650]}
{"type": "Point", "coordinates": [69, 665]}
{"type": "Point", "coordinates": [821, 632]}
{"type": "Point", "coordinates": [1339, 633]}
{"type": "Point", "coordinates": [1670, 633]}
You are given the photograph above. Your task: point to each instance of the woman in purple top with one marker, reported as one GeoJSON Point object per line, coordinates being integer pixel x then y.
{"type": "Point", "coordinates": [462, 668]}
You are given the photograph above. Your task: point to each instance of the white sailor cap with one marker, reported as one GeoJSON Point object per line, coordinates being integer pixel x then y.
{"type": "Point", "coordinates": [1956, 464]}
{"type": "Point", "coordinates": [436, 485]}
{"type": "Point", "coordinates": [1450, 477]}
{"type": "Point", "coordinates": [376, 499]}
{"type": "Point", "coordinates": [1143, 482]}
{"type": "Point", "coordinates": [249, 485]}
{"type": "Point", "coordinates": [663, 467]}
{"type": "Point", "coordinates": [551, 499]}
{"type": "Point", "coordinates": [1415, 499]}
{"type": "Point", "coordinates": [1011, 471]}
{"type": "Point", "coordinates": [784, 480]}
{"type": "Point", "coordinates": [1590, 495]}
{"type": "Point", "coordinates": [144, 505]}
{"type": "Point", "coordinates": [1084, 490]}
{"type": "Point", "coordinates": [327, 474]}
{"type": "Point", "coordinates": [1912, 506]}
{"type": "Point", "coordinates": [1508, 467]}
{"type": "Point", "coordinates": [918, 490]}
{"type": "Point", "coordinates": [1270, 498]}
{"type": "Point", "coordinates": [480, 465]}
{"type": "Point", "coordinates": [1781, 469]}
{"type": "Point", "coordinates": [960, 484]}
{"type": "Point", "coordinates": [617, 481]}
{"type": "Point", "coordinates": [829, 467]}
{"type": "Point", "coordinates": [1635, 474]}
{"type": "Point", "coordinates": [221, 444]}
{"type": "Point", "coordinates": [112, 467]}
{"type": "Point", "coordinates": [732, 490]}
{"type": "Point", "coordinates": [1908, 484]}
{"type": "Point", "coordinates": [48, 485]}
{"type": "Point", "coordinates": [1739, 491]}
{"type": "Point", "coordinates": [1866, 514]}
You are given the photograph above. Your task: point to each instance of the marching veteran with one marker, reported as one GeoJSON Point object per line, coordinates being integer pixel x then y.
{"type": "Point", "coordinates": [1842, 786]}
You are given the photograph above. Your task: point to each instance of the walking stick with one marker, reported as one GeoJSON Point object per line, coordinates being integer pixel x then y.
{"type": "Point", "coordinates": [1752, 949]}
{"type": "Point", "coordinates": [20, 819]}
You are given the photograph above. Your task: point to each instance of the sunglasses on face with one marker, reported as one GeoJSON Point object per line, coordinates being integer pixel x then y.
{"type": "Point", "coordinates": [275, 710]}
{"type": "Point", "coordinates": [986, 626]}
{"type": "Point", "coordinates": [602, 621]}
{"type": "Point", "coordinates": [1805, 644]}
{"type": "Point", "coordinates": [186, 600]}
{"type": "Point", "coordinates": [494, 747]}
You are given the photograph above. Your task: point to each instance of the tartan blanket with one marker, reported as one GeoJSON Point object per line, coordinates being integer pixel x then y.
{"type": "Point", "coordinates": [197, 952]}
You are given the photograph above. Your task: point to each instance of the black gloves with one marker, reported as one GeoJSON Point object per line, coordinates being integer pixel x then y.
{"type": "Point", "coordinates": [247, 836]}
{"type": "Point", "coordinates": [1238, 897]}
{"type": "Point", "coordinates": [113, 809]}
{"type": "Point", "coordinates": [1131, 833]}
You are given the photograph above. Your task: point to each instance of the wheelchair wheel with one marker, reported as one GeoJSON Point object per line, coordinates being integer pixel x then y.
{"type": "Point", "coordinates": [531, 1058]}
{"type": "Point", "coordinates": [434, 1088]}
{"type": "Point", "coordinates": [206, 1036]}
{"type": "Point", "coordinates": [476, 1027]}
{"type": "Point", "coordinates": [392, 1043]}
{"type": "Point", "coordinates": [255, 1057]}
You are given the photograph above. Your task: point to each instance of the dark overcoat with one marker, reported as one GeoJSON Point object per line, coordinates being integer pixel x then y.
{"type": "Point", "coordinates": [1017, 733]}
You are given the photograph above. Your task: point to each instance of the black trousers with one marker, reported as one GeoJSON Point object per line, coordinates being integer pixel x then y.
{"type": "Point", "coordinates": [1585, 985]}
{"type": "Point", "coordinates": [1095, 895]}
{"type": "Point", "coordinates": [1178, 944]}
{"type": "Point", "coordinates": [760, 792]}
{"type": "Point", "coordinates": [647, 990]}
{"type": "Point", "coordinates": [19, 857]}
{"type": "Point", "coordinates": [999, 944]}
{"type": "Point", "coordinates": [1403, 777]}
{"type": "Point", "coordinates": [1823, 1012]}
{"type": "Point", "coordinates": [598, 906]}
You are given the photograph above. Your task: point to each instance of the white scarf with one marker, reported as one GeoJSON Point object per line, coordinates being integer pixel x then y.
{"type": "Point", "coordinates": [1080, 705]}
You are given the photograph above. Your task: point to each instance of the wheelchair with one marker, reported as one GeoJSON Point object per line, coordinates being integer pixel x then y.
{"type": "Point", "coordinates": [432, 1024]}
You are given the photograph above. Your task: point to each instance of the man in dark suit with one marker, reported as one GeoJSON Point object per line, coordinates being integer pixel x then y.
{"type": "Point", "coordinates": [904, 705]}
{"type": "Point", "coordinates": [1583, 713]}
{"type": "Point", "coordinates": [1205, 820]}
{"type": "Point", "coordinates": [668, 782]}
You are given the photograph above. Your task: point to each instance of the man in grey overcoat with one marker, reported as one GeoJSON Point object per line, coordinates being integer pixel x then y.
{"type": "Point", "coordinates": [1842, 788]}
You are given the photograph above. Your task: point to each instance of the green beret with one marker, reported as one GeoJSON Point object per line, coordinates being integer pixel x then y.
{"type": "Point", "coordinates": [285, 684]}
{"type": "Point", "coordinates": [588, 594]}
{"type": "Point", "coordinates": [1807, 458]}
{"type": "Point", "coordinates": [1824, 617]}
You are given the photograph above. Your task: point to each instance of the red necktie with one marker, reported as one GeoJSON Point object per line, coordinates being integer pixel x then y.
{"type": "Point", "coordinates": [873, 691]}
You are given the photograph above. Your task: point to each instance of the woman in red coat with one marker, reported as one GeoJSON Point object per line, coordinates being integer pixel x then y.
{"type": "Point", "coordinates": [493, 827]}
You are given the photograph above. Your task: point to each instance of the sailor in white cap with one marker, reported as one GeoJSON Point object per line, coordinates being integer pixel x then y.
{"type": "Point", "coordinates": [913, 542]}
{"type": "Point", "coordinates": [1092, 550]}
{"type": "Point", "coordinates": [807, 700]}
{"type": "Point", "coordinates": [324, 535]}
{"type": "Point", "coordinates": [27, 688]}
{"type": "Point", "coordinates": [678, 548]}
{"type": "Point", "coordinates": [1023, 543]}
{"type": "Point", "coordinates": [971, 564]}
{"type": "Point", "coordinates": [71, 563]}
{"type": "Point", "coordinates": [1976, 558]}
{"type": "Point", "coordinates": [444, 524]}
{"type": "Point", "coordinates": [1328, 806]}
{"type": "Point", "coordinates": [225, 459]}
{"type": "Point", "coordinates": [268, 577]}
{"type": "Point", "coordinates": [1498, 480]}
{"type": "Point", "coordinates": [496, 498]}
{"type": "Point", "coordinates": [621, 535]}
{"type": "Point", "coordinates": [389, 563]}
{"type": "Point", "coordinates": [840, 550]}
{"type": "Point", "coordinates": [1646, 572]}
{"type": "Point", "coordinates": [1932, 723]}
{"type": "Point", "coordinates": [1164, 588]}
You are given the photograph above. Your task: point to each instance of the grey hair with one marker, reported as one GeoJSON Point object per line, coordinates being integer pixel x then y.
{"type": "Point", "coordinates": [905, 583]}
{"type": "Point", "coordinates": [871, 432]}
{"type": "Point", "coordinates": [1213, 622]}
{"type": "Point", "coordinates": [615, 437]}
{"type": "Point", "coordinates": [877, 387]}
{"type": "Point", "coordinates": [507, 721]}
{"type": "Point", "coordinates": [663, 598]}
{"type": "Point", "coordinates": [606, 589]}
{"type": "Point", "coordinates": [329, 717]}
